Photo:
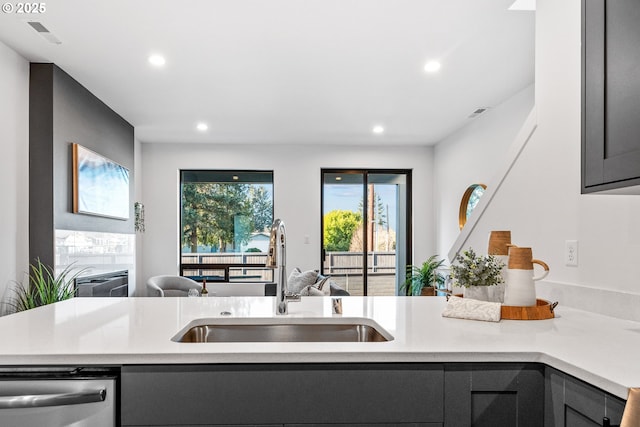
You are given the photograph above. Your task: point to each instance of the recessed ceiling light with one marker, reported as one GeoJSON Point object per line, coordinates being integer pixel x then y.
{"type": "Point", "coordinates": [378, 129]}
{"type": "Point", "coordinates": [523, 5]}
{"type": "Point", "coordinates": [157, 60]}
{"type": "Point", "coordinates": [432, 66]}
{"type": "Point", "coordinates": [202, 127]}
{"type": "Point", "coordinates": [235, 177]}
{"type": "Point", "coordinates": [338, 178]}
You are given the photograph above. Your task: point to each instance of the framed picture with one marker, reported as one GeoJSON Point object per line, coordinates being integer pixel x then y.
{"type": "Point", "coordinates": [100, 185]}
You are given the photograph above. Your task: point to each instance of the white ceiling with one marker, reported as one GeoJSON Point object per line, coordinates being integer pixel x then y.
{"type": "Point", "coordinates": [287, 71]}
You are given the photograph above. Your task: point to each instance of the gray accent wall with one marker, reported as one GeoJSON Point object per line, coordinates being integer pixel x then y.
{"type": "Point", "coordinates": [62, 112]}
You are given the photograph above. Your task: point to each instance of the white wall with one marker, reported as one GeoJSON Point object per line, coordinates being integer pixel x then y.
{"type": "Point", "coordinates": [14, 172]}
{"type": "Point", "coordinates": [296, 192]}
{"type": "Point", "coordinates": [540, 199]}
{"type": "Point", "coordinates": [471, 155]}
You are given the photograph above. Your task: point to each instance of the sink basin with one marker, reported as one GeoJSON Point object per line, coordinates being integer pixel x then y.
{"type": "Point", "coordinates": [282, 330]}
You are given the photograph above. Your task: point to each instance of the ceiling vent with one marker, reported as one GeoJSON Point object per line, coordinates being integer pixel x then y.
{"type": "Point", "coordinates": [478, 112]}
{"type": "Point", "coordinates": [44, 32]}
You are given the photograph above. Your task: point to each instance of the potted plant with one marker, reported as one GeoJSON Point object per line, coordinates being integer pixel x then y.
{"type": "Point", "coordinates": [421, 280]}
{"type": "Point", "coordinates": [476, 273]}
{"type": "Point", "coordinates": [44, 287]}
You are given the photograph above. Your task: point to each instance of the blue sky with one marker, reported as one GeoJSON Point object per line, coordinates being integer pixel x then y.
{"type": "Point", "coordinates": [348, 197]}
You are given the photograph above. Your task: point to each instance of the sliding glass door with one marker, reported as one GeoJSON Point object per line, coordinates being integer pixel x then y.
{"type": "Point", "coordinates": [366, 218]}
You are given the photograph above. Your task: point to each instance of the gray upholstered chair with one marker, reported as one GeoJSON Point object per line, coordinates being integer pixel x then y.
{"type": "Point", "coordinates": [171, 286]}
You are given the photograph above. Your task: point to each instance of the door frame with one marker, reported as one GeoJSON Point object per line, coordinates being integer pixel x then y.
{"type": "Point", "coordinates": [365, 172]}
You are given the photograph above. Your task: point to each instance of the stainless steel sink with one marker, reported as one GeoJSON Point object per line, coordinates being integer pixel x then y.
{"type": "Point", "coordinates": [282, 330]}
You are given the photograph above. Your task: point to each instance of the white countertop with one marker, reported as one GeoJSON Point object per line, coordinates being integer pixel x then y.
{"type": "Point", "coordinates": [600, 350]}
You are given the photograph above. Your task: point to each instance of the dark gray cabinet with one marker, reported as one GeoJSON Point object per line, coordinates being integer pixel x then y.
{"type": "Point", "coordinates": [610, 95]}
{"type": "Point", "coordinates": [494, 394]}
{"type": "Point", "coordinates": [310, 395]}
{"type": "Point", "coordinates": [361, 395]}
{"type": "Point", "coordinates": [368, 425]}
{"type": "Point", "coordinates": [570, 402]}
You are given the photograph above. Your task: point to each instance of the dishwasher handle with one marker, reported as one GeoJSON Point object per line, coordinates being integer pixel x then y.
{"type": "Point", "coordinates": [58, 399]}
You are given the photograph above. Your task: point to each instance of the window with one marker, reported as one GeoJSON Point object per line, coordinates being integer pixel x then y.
{"type": "Point", "coordinates": [225, 218]}
{"type": "Point", "coordinates": [470, 199]}
{"type": "Point", "coordinates": [366, 234]}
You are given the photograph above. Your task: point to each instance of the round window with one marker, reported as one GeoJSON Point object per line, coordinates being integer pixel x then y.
{"type": "Point", "coordinates": [469, 201]}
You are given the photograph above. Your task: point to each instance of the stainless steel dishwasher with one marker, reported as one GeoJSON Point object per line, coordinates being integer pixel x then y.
{"type": "Point", "coordinates": [57, 397]}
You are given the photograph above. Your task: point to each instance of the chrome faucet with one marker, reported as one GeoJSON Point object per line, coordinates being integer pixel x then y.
{"type": "Point", "coordinates": [276, 259]}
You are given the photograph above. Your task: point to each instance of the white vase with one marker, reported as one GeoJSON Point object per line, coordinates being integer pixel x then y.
{"type": "Point", "coordinates": [521, 290]}
{"type": "Point", "coordinates": [480, 293]}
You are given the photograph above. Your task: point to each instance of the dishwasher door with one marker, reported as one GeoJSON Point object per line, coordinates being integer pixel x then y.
{"type": "Point", "coordinates": [58, 402]}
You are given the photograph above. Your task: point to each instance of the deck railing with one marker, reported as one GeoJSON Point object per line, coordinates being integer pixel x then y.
{"type": "Point", "coordinates": [250, 265]}
{"type": "Point", "coordinates": [341, 263]}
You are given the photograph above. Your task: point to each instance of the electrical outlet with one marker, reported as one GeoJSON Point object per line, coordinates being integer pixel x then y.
{"type": "Point", "coordinates": [571, 253]}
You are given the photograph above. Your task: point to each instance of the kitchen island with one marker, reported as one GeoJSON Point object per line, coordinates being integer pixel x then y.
{"type": "Point", "coordinates": [600, 350]}
{"type": "Point", "coordinates": [136, 332]}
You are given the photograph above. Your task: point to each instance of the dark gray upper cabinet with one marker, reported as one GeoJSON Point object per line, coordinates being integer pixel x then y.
{"type": "Point", "coordinates": [611, 96]}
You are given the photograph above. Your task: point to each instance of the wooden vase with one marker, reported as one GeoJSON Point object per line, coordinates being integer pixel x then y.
{"type": "Point", "coordinates": [499, 242]}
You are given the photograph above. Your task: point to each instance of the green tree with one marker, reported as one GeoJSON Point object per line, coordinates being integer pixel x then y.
{"type": "Point", "coordinates": [379, 213]}
{"type": "Point", "coordinates": [339, 226]}
{"type": "Point", "coordinates": [223, 214]}
{"type": "Point", "coordinates": [197, 222]}
{"type": "Point", "coordinates": [262, 207]}
{"type": "Point", "coordinates": [228, 202]}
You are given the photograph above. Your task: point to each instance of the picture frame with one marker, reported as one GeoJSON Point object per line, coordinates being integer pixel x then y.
{"type": "Point", "coordinates": [100, 185]}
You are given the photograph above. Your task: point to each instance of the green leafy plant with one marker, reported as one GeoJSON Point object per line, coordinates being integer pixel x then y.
{"type": "Point", "coordinates": [424, 276]}
{"type": "Point", "coordinates": [476, 270]}
{"type": "Point", "coordinates": [44, 287]}
{"type": "Point", "coordinates": [339, 226]}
